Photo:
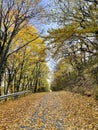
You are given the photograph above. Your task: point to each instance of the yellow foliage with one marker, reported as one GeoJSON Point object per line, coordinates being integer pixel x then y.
{"type": "Point", "coordinates": [29, 35]}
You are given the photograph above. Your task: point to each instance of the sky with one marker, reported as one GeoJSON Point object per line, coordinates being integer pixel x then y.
{"type": "Point", "coordinates": [43, 27]}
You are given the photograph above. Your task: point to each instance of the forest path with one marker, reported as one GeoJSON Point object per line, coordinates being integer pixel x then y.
{"type": "Point", "coordinates": [50, 111]}
{"type": "Point", "coordinates": [49, 115]}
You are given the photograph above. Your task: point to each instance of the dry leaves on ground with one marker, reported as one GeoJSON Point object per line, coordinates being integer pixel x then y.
{"type": "Point", "coordinates": [50, 111]}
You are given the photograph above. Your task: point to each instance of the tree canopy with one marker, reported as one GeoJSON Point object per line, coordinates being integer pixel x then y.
{"type": "Point", "coordinates": [22, 50]}
{"type": "Point", "coordinates": [75, 40]}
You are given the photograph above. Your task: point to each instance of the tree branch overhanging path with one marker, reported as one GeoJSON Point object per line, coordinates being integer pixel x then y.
{"type": "Point", "coordinates": [74, 45]}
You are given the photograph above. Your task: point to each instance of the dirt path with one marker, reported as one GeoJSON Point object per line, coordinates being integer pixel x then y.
{"type": "Point", "coordinates": [50, 111]}
{"type": "Point", "coordinates": [48, 116]}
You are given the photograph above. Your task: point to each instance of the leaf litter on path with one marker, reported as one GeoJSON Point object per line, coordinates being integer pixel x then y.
{"type": "Point", "coordinates": [50, 111]}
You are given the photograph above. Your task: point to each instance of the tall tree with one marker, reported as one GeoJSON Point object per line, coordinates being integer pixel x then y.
{"type": "Point", "coordinates": [76, 38]}
{"type": "Point", "coordinates": [14, 15]}
{"type": "Point", "coordinates": [23, 67]}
